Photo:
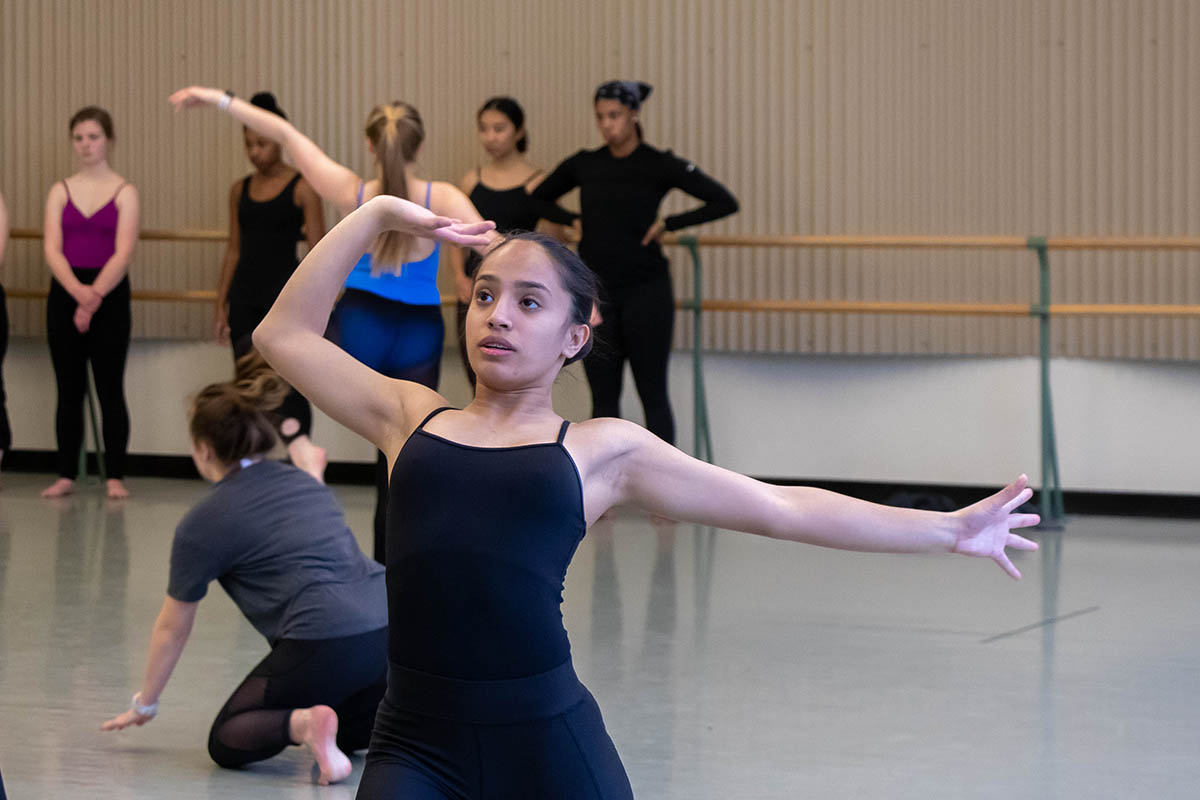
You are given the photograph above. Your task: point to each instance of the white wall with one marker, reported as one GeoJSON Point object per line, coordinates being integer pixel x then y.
{"type": "Point", "coordinates": [1122, 426]}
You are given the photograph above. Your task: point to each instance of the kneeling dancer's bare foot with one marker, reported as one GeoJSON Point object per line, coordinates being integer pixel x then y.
{"type": "Point", "coordinates": [316, 729]}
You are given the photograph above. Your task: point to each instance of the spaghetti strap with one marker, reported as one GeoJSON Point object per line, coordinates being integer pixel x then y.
{"type": "Point", "coordinates": [67, 188]}
{"type": "Point", "coordinates": [431, 415]}
{"type": "Point", "coordinates": [118, 191]}
{"type": "Point", "coordinates": [358, 198]}
{"type": "Point", "coordinates": [428, 188]}
{"type": "Point", "coordinates": [562, 432]}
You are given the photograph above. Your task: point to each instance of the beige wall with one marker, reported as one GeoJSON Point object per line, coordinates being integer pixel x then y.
{"type": "Point", "coordinates": [823, 116]}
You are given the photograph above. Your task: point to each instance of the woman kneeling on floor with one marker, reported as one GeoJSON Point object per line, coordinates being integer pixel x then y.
{"type": "Point", "coordinates": [277, 541]}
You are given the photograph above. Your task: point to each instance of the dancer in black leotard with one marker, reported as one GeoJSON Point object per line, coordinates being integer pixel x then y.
{"type": "Point", "coordinates": [5, 430]}
{"type": "Point", "coordinates": [482, 699]}
{"type": "Point", "coordinates": [622, 186]}
{"type": "Point", "coordinates": [269, 212]}
{"type": "Point", "coordinates": [278, 543]}
{"type": "Point", "coordinates": [500, 191]}
{"type": "Point", "coordinates": [389, 316]}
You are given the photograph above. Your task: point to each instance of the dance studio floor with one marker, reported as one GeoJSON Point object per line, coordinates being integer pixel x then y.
{"type": "Point", "coordinates": [727, 666]}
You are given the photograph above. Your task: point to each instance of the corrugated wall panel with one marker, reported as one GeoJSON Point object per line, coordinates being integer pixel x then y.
{"type": "Point", "coordinates": [824, 116]}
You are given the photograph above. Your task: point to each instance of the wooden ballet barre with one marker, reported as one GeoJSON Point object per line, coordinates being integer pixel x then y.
{"type": "Point", "coordinates": [944, 242]}
{"type": "Point", "coordinates": [144, 235]}
{"type": "Point", "coordinates": [962, 309]}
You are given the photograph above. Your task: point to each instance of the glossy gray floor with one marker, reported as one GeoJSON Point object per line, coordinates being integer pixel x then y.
{"type": "Point", "coordinates": [727, 666]}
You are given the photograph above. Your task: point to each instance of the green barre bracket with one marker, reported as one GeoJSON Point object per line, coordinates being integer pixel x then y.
{"type": "Point", "coordinates": [1051, 499]}
{"type": "Point", "coordinates": [702, 434]}
{"type": "Point", "coordinates": [90, 398]}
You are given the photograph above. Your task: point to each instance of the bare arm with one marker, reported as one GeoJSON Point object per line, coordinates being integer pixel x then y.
{"type": "Point", "coordinates": [167, 640]}
{"type": "Point", "coordinates": [117, 266]}
{"type": "Point", "coordinates": [292, 340]}
{"type": "Point", "coordinates": [3, 228]}
{"type": "Point", "coordinates": [52, 240]}
{"type": "Point", "coordinates": [233, 249]}
{"type": "Point", "coordinates": [331, 180]}
{"type": "Point", "coordinates": [453, 201]}
{"type": "Point", "coordinates": [314, 213]}
{"type": "Point", "coordinates": [642, 470]}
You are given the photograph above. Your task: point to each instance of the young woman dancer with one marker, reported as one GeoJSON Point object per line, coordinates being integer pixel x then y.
{"type": "Point", "coordinates": [622, 185]}
{"type": "Point", "coordinates": [482, 700]}
{"type": "Point", "coordinates": [500, 189]}
{"type": "Point", "coordinates": [277, 542]}
{"type": "Point", "coordinates": [5, 430]}
{"type": "Point", "coordinates": [270, 210]}
{"type": "Point", "coordinates": [389, 316]}
{"type": "Point", "coordinates": [90, 228]}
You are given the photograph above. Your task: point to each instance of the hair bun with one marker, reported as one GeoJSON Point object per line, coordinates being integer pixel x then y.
{"type": "Point", "coordinates": [267, 102]}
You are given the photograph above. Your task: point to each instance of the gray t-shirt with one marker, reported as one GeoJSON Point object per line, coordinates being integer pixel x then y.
{"type": "Point", "coordinates": [278, 543]}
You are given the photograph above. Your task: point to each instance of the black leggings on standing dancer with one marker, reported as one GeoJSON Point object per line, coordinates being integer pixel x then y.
{"type": "Point", "coordinates": [638, 323]}
{"type": "Point", "coordinates": [106, 346]}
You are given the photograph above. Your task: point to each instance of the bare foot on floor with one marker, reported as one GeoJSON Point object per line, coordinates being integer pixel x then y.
{"type": "Point", "coordinates": [60, 488]}
{"type": "Point", "coordinates": [308, 457]}
{"type": "Point", "coordinates": [316, 729]}
{"type": "Point", "coordinates": [116, 489]}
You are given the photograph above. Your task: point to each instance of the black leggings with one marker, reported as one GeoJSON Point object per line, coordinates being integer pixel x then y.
{"type": "Point", "coordinates": [243, 319]}
{"type": "Point", "coordinates": [5, 430]}
{"type": "Point", "coordinates": [638, 323]}
{"type": "Point", "coordinates": [348, 674]}
{"type": "Point", "coordinates": [396, 339]}
{"type": "Point", "coordinates": [106, 345]}
{"type": "Point", "coordinates": [538, 737]}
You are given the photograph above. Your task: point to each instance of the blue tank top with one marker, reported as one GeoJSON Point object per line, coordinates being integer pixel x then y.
{"type": "Point", "coordinates": [475, 584]}
{"type": "Point", "coordinates": [417, 282]}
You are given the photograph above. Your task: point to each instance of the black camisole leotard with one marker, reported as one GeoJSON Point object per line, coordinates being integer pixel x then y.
{"type": "Point", "coordinates": [482, 698]}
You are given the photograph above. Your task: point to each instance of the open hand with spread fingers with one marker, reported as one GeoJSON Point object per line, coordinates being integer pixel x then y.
{"type": "Point", "coordinates": [986, 526]}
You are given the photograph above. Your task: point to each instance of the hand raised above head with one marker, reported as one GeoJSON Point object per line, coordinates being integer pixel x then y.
{"type": "Point", "coordinates": [986, 526]}
{"type": "Point", "coordinates": [193, 96]}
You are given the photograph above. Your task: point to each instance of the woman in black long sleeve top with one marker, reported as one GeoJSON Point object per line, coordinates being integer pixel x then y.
{"type": "Point", "coordinates": [622, 186]}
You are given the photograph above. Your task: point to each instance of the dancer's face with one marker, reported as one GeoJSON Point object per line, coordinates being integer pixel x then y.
{"type": "Point", "coordinates": [90, 143]}
{"type": "Point", "coordinates": [262, 152]}
{"type": "Point", "coordinates": [497, 133]}
{"type": "Point", "coordinates": [617, 122]}
{"type": "Point", "coordinates": [519, 326]}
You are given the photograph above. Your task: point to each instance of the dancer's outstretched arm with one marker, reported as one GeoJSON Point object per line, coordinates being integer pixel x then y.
{"type": "Point", "coordinates": [171, 632]}
{"type": "Point", "coordinates": [291, 337]}
{"type": "Point", "coordinates": [645, 471]}
{"type": "Point", "coordinates": [334, 182]}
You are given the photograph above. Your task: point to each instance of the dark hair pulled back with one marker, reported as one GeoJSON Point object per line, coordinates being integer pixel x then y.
{"type": "Point", "coordinates": [511, 109]}
{"type": "Point", "coordinates": [96, 114]}
{"type": "Point", "coordinates": [234, 417]}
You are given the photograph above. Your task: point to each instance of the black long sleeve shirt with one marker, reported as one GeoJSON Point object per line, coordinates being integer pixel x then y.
{"type": "Point", "coordinates": [619, 200]}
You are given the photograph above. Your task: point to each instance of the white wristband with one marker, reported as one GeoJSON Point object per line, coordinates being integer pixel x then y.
{"type": "Point", "coordinates": [145, 711]}
{"type": "Point", "coordinates": [225, 100]}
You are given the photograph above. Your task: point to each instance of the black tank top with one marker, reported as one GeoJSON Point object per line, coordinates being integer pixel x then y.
{"type": "Point", "coordinates": [511, 209]}
{"type": "Point", "coordinates": [267, 256]}
{"type": "Point", "coordinates": [478, 543]}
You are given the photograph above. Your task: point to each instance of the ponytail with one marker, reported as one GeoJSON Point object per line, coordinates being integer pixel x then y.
{"type": "Point", "coordinates": [395, 131]}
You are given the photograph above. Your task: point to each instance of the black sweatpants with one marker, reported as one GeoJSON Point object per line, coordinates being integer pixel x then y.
{"type": "Point", "coordinates": [348, 674]}
{"type": "Point", "coordinates": [243, 319]}
{"type": "Point", "coordinates": [5, 430]}
{"type": "Point", "coordinates": [638, 324]}
{"type": "Point", "coordinates": [106, 346]}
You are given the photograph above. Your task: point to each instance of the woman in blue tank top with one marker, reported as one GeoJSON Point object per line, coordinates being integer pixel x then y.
{"type": "Point", "coordinates": [389, 317]}
{"type": "Point", "coordinates": [482, 700]}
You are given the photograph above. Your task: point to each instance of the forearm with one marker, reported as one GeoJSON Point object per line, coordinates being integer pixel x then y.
{"type": "Point", "coordinates": [61, 270]}
{"type": "Point", "coordinates": [829, 519]}
{"type": "Point", "coordinates": [228, 265]}
{"type": "Point", "coordinates": [166, 646]}
{"type": "Point", "coordinates": [112, 273]}
{"type": "Point", "coordinates": [718, 201]}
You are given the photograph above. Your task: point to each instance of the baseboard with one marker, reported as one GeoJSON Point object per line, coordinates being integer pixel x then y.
{"type": "Point", "coordinates": [1126, 504]}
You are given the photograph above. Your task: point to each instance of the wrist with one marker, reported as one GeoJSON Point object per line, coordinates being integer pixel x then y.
{"type": "Point", "coordinates": [143, 708]}
{"type": "Point", "coordinates": [224, 100]}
